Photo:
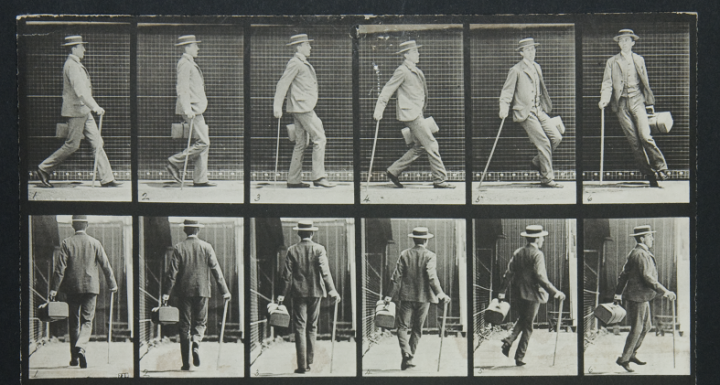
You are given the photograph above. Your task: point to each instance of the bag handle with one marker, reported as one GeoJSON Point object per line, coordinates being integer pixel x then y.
{"type": "Point", "coordinates": [651, 109]}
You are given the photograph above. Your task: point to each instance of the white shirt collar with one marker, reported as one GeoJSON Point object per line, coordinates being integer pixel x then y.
{"type": "Point", "coordinates": [535, 244]}
{"type": "Point", "coordinates": [192, 236]}
{"type": "Point", "coordinates": [529, 63]}
{"type": "Point", "coordinates": [410, 64]}
{"type": "Point", "coordinates": [188, 56]}
{"type": "Point", "coordinates": [628, 56]}
{"type": "Point", "coordinates": [74, 57]}
{"type": "Point", "coordinates": [301, 56]}
{"type": "Point", "coordinates": [644, 246]}
{"type": "Point", "coordinates": [80, 232]}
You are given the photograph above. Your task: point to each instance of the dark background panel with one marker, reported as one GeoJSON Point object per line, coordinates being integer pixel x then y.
{"type": "Point", "coordinates": [221, 61]}
{"type": "Point", "coordinates": [441, 60]}
{"type": "Point", "coordinates": [492, 54]}
{"type": "Point", "coordinates": [331, 56]}
{"type": "Point", "coordinates": [666, 49]}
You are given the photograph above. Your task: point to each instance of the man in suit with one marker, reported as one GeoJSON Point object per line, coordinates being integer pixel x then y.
{"type": "Point", "coordinates": [76, 274]}
{"type": "Point", "coordinates": [77, 106]}
{"type": "Point", "coordinates": [639, 281]}
{"type": "Point", "coordinates": [412, 98]}
{"type": "Point", "coordinates": [525, 90]}
{"type": "Point", "coordinates": [626, 88]}
{"type": "Point", "coordinates": [307, 281]}
{"type": "Point", "coordinates": [188, 278]}
{"type": "Point", "coordinates": [299, 83]}
{"type": "Point", "coordinates": [416, 286]}
{"type": "Point", "coordinates": [528, 276]}
{"type": "Point", "coordinates": [191, 103]}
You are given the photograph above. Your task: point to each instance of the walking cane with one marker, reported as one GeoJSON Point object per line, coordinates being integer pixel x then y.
{"type": "Point", "coordinates": [557, 330]}
{"type": "Point", "coordinates": [277, 149]}
{"type": "Point", "coordinates": [672, 303]}
{"type": "Point", "coordinates": [491, 153]}
{"type": "Point", "coordinates": [95, 163]}
{"type": "Point", "coordinates": [112, 296]}
{"type": "Point", "coordinates": [332, 349]}
{"type": "Point", "coordinates": [187, 153]}
{"type": "Point", "coordinates": [442, 332]}
{"type": "Point", "coordinates": [602, 142]}
{"type": "Point", "coordinates": [372, 156]}
{"type": "Point", "coordinates": [222, 333]}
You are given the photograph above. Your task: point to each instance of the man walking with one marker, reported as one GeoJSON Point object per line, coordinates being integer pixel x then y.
{"type": "Point", "coordinates": [299, 83]}
{"type": "Point", "coordinates": [416, 286]}
{"type": "Point", "coordinates": [528, 276]}
{"type": "Point", "coordinates": [191, 104]}
{"type": "Point", "coordinates": [76, 274]}
{"type": "Point", "coordinates": [193, 261]}
{"type": "Point", "coordinates": [77, 106]}
{"type": "Point", "coordinates": [412, 97]}
{"type": "Point", "coordinates": [525, 89]}
{"type": "Point", "coordinates": [307, 281]}
{"type": "Point", "coordinates": [626, 88]}
{"type": "Point", "coordinates": [639, 281]}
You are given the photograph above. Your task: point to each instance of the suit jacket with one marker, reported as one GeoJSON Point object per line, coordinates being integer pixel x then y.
{"type": "Point", "coordinates": [192, 263]}
{"type": "Point", "coordinates": [415, 278]}
{"type": "Point", "coordinates": [519, 89]}
{"type": "Point", "coordinates": [614, 82]}
{"type": "Point", "coordinates": [639, 277]}
{"type": "Point", "coordinates": [78, 264]}
{"type": "Point", "coordinates": [526, 271]}
{"type": "Point", "coordinates": [412, 92]}
{"type": "Point", "coordinates": [299, 82]}
{"type": "Point", "coordinates": [77, 89]}
{"type": "Point", "coordinates": [190, 87]}
{"type": "Point", "coordinates": [307, 271]}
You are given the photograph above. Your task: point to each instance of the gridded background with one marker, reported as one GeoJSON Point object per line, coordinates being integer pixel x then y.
{"type": "Point", "coordinates": [666, 49]}
{"type": "Point", "coordinates": [492, 53]}
{"type": "Point", "coordinates": [221, 61]}
{"type": "Point", "coordinates": [331, 57]}
{"type": "Point", "coordinates": [441, 60]}
{"type": "Point", "coordinates": [107, 60]}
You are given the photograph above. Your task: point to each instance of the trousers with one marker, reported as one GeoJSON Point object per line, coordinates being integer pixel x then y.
{"type": "Point", "coordinates": [424, 143]}
{"type": "Point", "coordinates": [307, 124]}
{"type": "Point", "coordinates": [524, 324]}
{"type": "Point", "coordinates": [411, 317]}
{"type": "Point", "coordinates": [78, 128]}
{"type": "Point", "coordinates": [193, 318]}
{"type": "Point", "coordinates": [639, 318]}
{"type": "Point", "coordinates": [546, 139]}
{"type": "Point", "coordinates": [633, 119]}
{"type": "Point", "coordinates": [306, 312]}
{"type": "Point", "coordinates": [80, 320]}
{"type": "Point", "coordinates": [198, 151]}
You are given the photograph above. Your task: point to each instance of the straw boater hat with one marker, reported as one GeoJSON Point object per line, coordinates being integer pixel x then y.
{"type": "Point", "coordinates": [421, 232]}
{"type": "Point", "coordinates": [79, 218]}
{"type": "Point", "coordinates": [305, 225]}
{"type": "Point", "coordinates": [407, 46]}
{"type": "Point", "coordinates": [642, 230]}
{"type": "Point", "coordinates": [297, 39]}
{"type": "Point", "coordinates": [192, 223]}
{"type": "Point", "coordinates": [73, 40]}
{"type": "Point", "coordinates": [526, 42]}
{"type": "Point", "coordinates": [534, 231]}
{"type": "Point", "coordinates": [626, 32]}
{"type": "Point", "coordinates": [187, 39]}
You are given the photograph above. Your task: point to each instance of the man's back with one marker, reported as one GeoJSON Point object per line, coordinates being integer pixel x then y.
{"type": "Point", "coordinates": [307, 270]}
{"type": "Point", "coordinates": [79, 262]}
{"type": "Point", "coordinates": [529, 275]}
{"type": "Point", "coordinates": [416, 275]}
{"type": "Point", "coordinates": [192, 263]}
{"type": "Point", "coordinates": [639, 276]}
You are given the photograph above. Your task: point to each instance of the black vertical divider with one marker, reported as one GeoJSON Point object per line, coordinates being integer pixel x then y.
{"type": "Point", "coordinates": [580, 226]}
{"type": "Point", "coordinates": [247, 110]}
{"type": "Point", "coordinates": [693, 192]}
{"type": "Point", "coordinates": [247, 260]}
{"type": "Point", "coordinates": [579, 215]}
{"type": "Point", "coordinates": [356, 201]}
{"type": "Point", "coordinates": [136, 291]}
{"type": "Point", "coordinates": [467, 76]}
{"type": "Point", "coordinates": [25, 311]}
{"type": "Point", "coordinates": [134, 179]}
{"type": "Point", "coordinates": [358, 289]}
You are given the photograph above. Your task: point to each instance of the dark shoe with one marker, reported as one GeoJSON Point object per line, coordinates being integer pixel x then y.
{"type": "Point", "coordinates": [634, 360]}
{"type": "Point", "coordinates": [519, 363]}
{"type": "Point", "coordinates": [409, 363]}
{"type": "Point", "coordinates": [44, 178]}
{"type": "Point", "coordinates": [625, 365]}
{"type": "Point", "coordinates": [74, 361]}
{"type": "Point", "coordinates": [113, 183]}
{"type": "Point", "coordinates": [403, 364]}
{"type": "Point", "coordinates": [663, 175]}
{"type": "Point", "coordinates": [506, 349]}
{"type": "Point", "coordinates": [443, 185]}
{"type": "Point", "coordinates": [395, 180]}
{"type": "Point", "coordinates": [551, 184]}
{"type": "Point", "coordinates": [81, 357]}
{"type": "Point", "coordinates": [653, 180]}
{"type": "Point", "coordinates": [174, 173]}
{"type": "Point", "coordinates": [196, 354]}
{"type": "Point", "coordinates": [300, 371]}
{"type": "Point", "coordinates": [323, 182]}
{"type": "Point", "coordinates": [184, 353]}
{"type": "Point", "coordinates": [307, 369]}
{"type": "Point", "coordinates": [535, 167]}
{"type": "Point", "coordinates": [185, 367]}
{"type": "Point", "coordinates": [206, 184]}
{"type": "Point", "coordinates": [298, 185]}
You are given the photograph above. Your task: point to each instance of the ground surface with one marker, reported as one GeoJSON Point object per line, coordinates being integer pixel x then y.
{"type": "Point", "coordinates": [226, 191]}
{"type": "Point", "coordinates": [164, 360]}
{"type": "Point", "coordinates": [489, 360]}
{"type": "Point", "coordinates": [277, 192]}
{"type": "Point", "coordinates": [674, 191]}
{"type": "Point", "coordinates": [52, 361]}
{"type": "Point", "coordinates": [522, 193]}
{"type": "Point", "coordinates": [656, 351]}
{"type": "Point", "coordinates": [79, 191]}
{"type": "Point", "coordinates": [384, 358]}
{"type": "Point", "coordinates": [412, 193]}
{"type": "Point", "coordinates": [279, 359]}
